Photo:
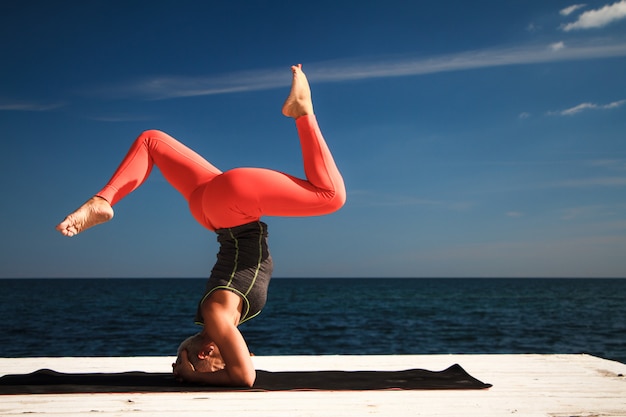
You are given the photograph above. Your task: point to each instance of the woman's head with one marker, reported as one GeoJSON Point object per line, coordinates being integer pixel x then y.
{"type": "Point", "coordinates": [203, 354]}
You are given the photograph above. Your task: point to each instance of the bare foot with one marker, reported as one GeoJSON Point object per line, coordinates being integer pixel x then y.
{"type": "Point", "coordinates": [298, 102]}
{"type": "Point", "coordinates": [96, 210]}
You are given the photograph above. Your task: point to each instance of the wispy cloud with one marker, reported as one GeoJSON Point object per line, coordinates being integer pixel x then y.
{"type": "Point", "coordinates": [354, 69]}
{"type": "Point", "coordinates": [571, 9]}
{"type": "Point", "coordinates": [591, 182]}
{"type": "Point", "coordinates": [587, 106]}
{"type": "Point", "coordinates": [370, 198]}
{"type": "Point", "coordinates": [119, 118]}
{"type": "Point", "coordinates": [599, 17]}
{"type": "Point", "coordinates": [593, 212]}
{"type": "Point", "coordinates": [167, 87]}
{"type": "Point", "coordinates": [557, 46]}
{"type": "Point", "coordinates": [532, 27]}
{"type": "Point", "coordinates": [610, 164]}
{"type": "Point", "coordinates": [28, 106]}
{"type": "Point", "coordinates": [614, 105]}
{"type": "Point", "coordinates": [610, 173]}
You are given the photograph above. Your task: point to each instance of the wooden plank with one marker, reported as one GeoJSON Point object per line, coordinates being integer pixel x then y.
{"type": "Point", "coordinates": [524, 385]}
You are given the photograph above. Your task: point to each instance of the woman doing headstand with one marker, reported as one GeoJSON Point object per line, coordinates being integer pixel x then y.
{"type": "Point", "coordinates": [230, 203]}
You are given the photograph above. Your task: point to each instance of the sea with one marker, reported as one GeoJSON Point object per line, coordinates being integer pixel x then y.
{"type": "Point", "coordinates": [321, 316]}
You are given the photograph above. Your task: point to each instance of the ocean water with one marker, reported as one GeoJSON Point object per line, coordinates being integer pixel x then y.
{"type": "Point", "coordinates": [146, 317]}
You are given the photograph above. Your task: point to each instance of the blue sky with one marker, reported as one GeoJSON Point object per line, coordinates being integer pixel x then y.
{"type": "Point", "coordinates": [476, 139]}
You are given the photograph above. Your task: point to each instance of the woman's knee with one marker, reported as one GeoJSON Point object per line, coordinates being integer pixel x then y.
{"type": "Point", "coordinates": [151, 134]}
{"type": "Point", "coordinates": [335, 200]}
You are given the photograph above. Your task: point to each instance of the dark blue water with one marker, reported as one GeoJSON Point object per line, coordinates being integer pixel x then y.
{"type": "Point", "coordinates": [124, 317]}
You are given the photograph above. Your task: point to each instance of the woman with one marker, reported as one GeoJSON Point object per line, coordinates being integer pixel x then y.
{"type": "Point", "coordinates": [230, 203]}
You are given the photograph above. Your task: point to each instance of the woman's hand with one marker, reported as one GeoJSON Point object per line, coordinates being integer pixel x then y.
{"type": "Point", "coordinates": [183, 369]}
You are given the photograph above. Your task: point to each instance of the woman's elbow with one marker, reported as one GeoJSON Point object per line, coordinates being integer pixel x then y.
{"type": "Point", "coordinates": [338, 200]}
{"type": "Point", "coordinates": [341, 198]}
{"type": "Point", "coordinates": [244, 379]}
{"type": "Point", "coordinates": [249, 381]}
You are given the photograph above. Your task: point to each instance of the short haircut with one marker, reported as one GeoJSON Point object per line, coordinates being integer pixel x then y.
{"type": "Point", "coordinates": [194, 345]}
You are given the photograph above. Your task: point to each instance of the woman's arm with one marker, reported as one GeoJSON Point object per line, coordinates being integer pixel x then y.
{"type": "Point", "coordinates": [184, 371]}
{"type": "Point", "coordinates": [220, 313]}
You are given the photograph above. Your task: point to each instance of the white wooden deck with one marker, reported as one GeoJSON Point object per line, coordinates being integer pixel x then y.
{"type": "Point", "coordinates": [523, 385]}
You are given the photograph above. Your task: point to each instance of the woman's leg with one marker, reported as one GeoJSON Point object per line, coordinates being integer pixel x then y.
{"type": "Point", "coordinates": [319, 165]}
{"type": "Point", "coordinates": [184, 169]}
{"type": "Point", "coordinates": [280, 194]}
{"type": "Point", "coordinates": [246, 194]}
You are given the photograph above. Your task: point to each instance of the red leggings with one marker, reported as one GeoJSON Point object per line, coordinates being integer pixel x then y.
{"type": "Point", "coordinates": [242, 195]}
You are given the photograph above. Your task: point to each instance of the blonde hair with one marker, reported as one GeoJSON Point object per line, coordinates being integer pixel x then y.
{"type": "Point", "coordinates": [194, 345]}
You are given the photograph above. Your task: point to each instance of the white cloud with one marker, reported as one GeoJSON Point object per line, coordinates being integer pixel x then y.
{"type": "Point", "coordinates": [365, 197]}
{"type": "Point", "coordinates": [514, 214]}
{"type": "Point", "coordinates": [571, 9]}
{"type": "Point", "coordinates": [524, 115]}
{"type": "Point", "coordinates": [573, 213]}
{"type": "Point", "coordinates": [587, 106]}
{"type": "Point", "coordinates": [610, 164]}
{"type": "Point", "coordinates": [592, 182]}
{"type": "Point", "coordinates": [578, 109]}
{"type": "Point", "coordinates": [557, 46]}
{"type": "Point", "coordinates": [376, 67]}
{"type": "Point", "coordinates": [599, 17]}
{"type": "Point", "coordinates": [531, 27]}
{"type": "Point", "coordinates": [614, 105]}
{"type": "Point", "coordinates": [606, 217]}
{"type": "Point", "coordinates": [179, 86]}
{"type": "Point", "coordinates": [120, 118]}
{"type": "Point", "coordinates": [29, 106]}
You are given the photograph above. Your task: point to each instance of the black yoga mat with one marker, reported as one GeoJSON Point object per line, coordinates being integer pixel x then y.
{"type": "Point", "coordinates": [46, 381]}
